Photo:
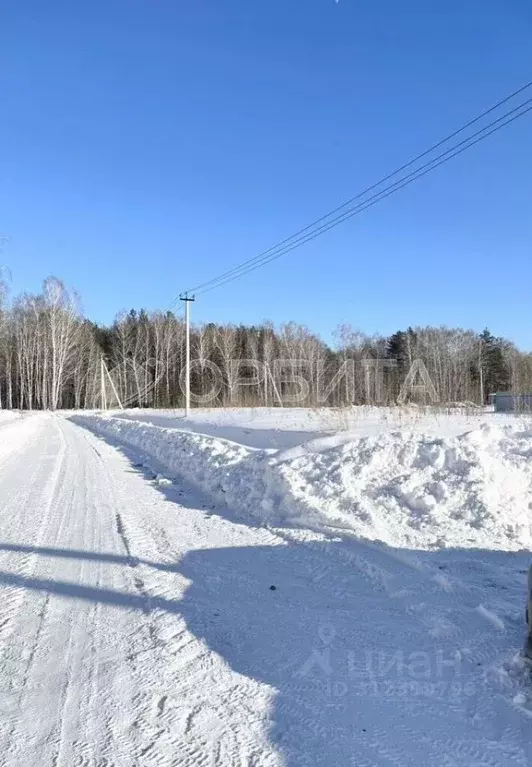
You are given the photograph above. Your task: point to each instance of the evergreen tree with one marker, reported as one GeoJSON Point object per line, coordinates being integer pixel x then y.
{"type": "Point", "coordinates": [495, 370]}
{"type": "Point", "coordinates": [396, 349]}
{"type": "Point", "coordinates": [401, 348]}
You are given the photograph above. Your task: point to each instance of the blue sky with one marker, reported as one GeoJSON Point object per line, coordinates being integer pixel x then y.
{"type": "Point", "coordinates": [147, 145]}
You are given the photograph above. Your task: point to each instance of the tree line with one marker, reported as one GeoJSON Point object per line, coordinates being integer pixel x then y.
{"type": "Point", "coordinates": [52, 357]}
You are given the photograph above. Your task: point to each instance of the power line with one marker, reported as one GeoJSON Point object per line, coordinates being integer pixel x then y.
{"type": "Point", "coordinates": [386, 192]}
{"type": "Point", "coordinates": [405, 181]}
{"type": "Point", "coordinates": [310, 231]}
{"type": "Point", "coordinates": [368, 189]}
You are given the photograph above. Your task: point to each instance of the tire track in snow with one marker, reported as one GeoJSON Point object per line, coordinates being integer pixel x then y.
{"type": "Point", "coordinates": [14, 599]}
{"type": "Point", "coordinates": [183, 655]}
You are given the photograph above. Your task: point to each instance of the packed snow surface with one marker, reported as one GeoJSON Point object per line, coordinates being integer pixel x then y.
{"type": "Point", "coordinates": [171, 599]}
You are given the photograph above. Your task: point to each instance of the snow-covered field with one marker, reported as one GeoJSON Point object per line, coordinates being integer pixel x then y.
{"type": "Point", "coordinates": [275, 428]}
{"type": "Point", "coordinates": [264, 589]}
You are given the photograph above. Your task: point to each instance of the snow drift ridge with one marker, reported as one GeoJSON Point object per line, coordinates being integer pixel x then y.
{"type": "Point", "coordinates": [402, 488]}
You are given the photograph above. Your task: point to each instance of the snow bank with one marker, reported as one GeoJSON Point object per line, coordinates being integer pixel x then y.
{"type": "Point", "coordinates": [403, 488]}
{"type": "Point", "coordinates": [419, 491]}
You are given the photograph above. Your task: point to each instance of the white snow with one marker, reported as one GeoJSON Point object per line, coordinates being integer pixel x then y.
{"type": "Point", "coordinates": [8, 417]}
{"type": "Point", "coordinates": [139, 626]}
{"type": "Point", "coordinates": [282, 428]}
{"type": "Point", "coordinates": [402, 488]}
{"type": "Point", "coordinates": [15, 431]}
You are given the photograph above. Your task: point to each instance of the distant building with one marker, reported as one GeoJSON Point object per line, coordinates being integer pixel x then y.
{"type": "Point", "coordinates": [505, 402]}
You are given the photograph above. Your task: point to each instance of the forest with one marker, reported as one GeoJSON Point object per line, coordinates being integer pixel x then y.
{"type": "Point", "coordinates": [51, 357]}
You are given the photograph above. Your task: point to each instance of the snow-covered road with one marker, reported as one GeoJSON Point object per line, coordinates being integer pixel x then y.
{"type": "Point", "coordinates": [139, 626]}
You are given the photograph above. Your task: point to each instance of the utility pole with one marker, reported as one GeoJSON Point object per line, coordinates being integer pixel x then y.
{"type": "Point", "coordinates": [102, 384]}
{"type": "Point", "coordinates": [481, 371]}
{"type": "Point", "coordinates": [187, 299]}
